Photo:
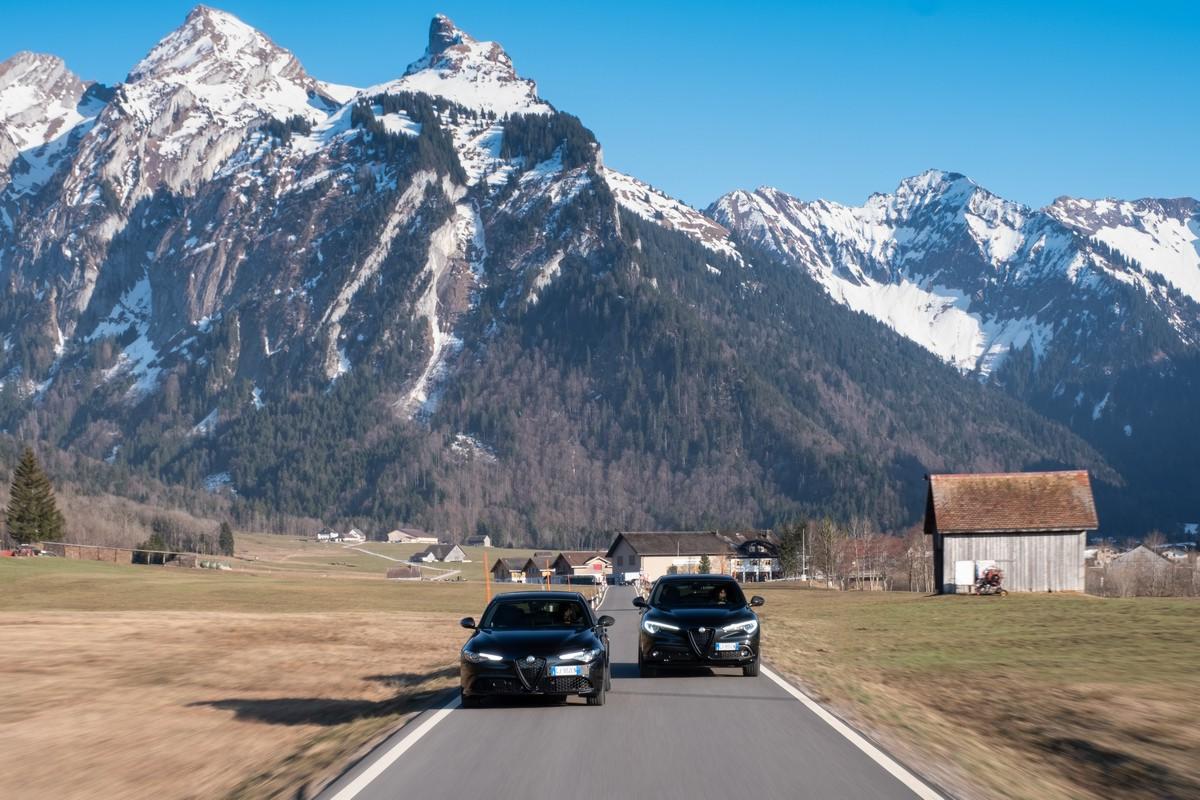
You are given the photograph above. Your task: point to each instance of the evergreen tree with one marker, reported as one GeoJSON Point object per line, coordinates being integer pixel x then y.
{"type": "Point", "coordinates": [33, 515]}
{"type": "Point", "coordinates": [705, 565]}
{"type": "Point", "coordinates": [225, 540]}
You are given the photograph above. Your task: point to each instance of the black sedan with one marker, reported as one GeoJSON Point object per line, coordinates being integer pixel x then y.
{"type": "Point", "coordinates": [536, 643]}
{"type": "Point", "coordinates": [697, 621]}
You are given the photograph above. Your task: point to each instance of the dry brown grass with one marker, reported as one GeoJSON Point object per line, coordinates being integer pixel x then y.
{"type": "Point", "coordinates": [1031, 696]}
{"type": "Point", "coordinates": [149, 682]}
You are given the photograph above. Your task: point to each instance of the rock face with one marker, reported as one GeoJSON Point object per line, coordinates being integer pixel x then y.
{"type": "Point", "coordinates": [430, 300]}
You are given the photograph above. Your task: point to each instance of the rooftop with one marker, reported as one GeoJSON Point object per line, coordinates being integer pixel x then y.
{"type": "Point", "coordinates": [1010, 502]}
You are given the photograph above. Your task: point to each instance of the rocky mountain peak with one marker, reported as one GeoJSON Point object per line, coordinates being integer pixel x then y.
{"type": "Point", "coordinates": [443, 34]}
{"type": "Point", "coordinates": [469, 72]}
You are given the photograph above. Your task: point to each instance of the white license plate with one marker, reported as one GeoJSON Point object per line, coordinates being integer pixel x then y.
{"type": "Point", "coordinates": [723, 647]}
{"type": "Point", "coordinates": [565, 672]}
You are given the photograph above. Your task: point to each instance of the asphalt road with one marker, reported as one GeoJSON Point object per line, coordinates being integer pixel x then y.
{"type": "Point", "coordinates": [696, 735]}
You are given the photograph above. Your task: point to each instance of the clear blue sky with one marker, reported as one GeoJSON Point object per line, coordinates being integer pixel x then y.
{"type": "Point", "coordinates": [834, 100]}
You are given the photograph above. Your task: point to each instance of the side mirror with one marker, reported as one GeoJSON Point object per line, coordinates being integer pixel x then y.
{"type": "Point", "coordinates": [756, 601]}
{"type": "Point", "coordinates": [605, 621]}
{"type": "Point", "coordinates": [640, 603]}
{"type": "Point", "coordinates": [468, 623]}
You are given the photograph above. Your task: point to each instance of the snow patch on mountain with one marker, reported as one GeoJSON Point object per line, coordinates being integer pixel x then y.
{"type": "Point", "coordinates": [655, 206]}
{"type": "Point", "coordinates": [471, 73]}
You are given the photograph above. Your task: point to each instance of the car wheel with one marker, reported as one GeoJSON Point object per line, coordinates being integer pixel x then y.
{"type": "Point", "coordinates": [598, 698]}
{"type": "Point", "coordinates": [751, 670]}
{"type": "Point", "coordinates": [644, 669]}
{"type": "Point", "coordinates": [607, 677]}
{"type": "Point", "coordinates": [471, 701]}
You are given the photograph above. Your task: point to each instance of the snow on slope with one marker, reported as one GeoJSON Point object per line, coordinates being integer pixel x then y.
{"type": "Point", "coordinates": [469, 72]}
{"type": "Point", "coordinates": [1163, 236]}
{"type": "Point", "coordinates": [43, 106]}
{"type": "Point", "coordinates": [651, 204]}
{"type": "Point", "coordinates": [873, 258]}
{"type": "Point", "coordinates": [187, 105]}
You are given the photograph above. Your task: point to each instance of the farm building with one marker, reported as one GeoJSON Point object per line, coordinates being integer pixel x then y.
{"type": "Point", "coordinates": [440, 552]}
{"type": "Point", "coordinates": [576, 563]}
{"type": "Point", "coordinates": [411, 536]}
{"type": "Point", "coordinates": [478, 541]}
{"type": "Point", "coordinates": [509, 570]}
{"type": "Point", "coordinates": [1031, 525]}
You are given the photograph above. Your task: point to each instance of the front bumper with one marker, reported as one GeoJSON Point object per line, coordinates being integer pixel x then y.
{"type": "Point", "coordinates": [517, 678]}
{"type": "Point", "coordinates": [690, 649]}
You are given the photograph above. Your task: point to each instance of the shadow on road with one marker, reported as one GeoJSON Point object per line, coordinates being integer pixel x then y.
{"type": "Point", "coordinates": [308, 710]}
{"type": "Point", "coordinates": [329, 711]}
{"type": "Point", "coordinates": [404, 680]}
{"type": "Point", "coordinates": [627, 669]}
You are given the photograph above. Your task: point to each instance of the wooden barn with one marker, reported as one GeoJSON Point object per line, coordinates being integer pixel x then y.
{"type": "Point", "coordinates": [1032, 525]}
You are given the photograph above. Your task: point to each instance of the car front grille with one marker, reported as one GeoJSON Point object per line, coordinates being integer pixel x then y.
{"type": "Point", "coordinates": [531, 671]}
{"type": "Point", "coordinates": [701, 641]}
{"type": "Point", "coordinates": [728, 654]}
{"type": "Point", "coordinates": [570, 684]}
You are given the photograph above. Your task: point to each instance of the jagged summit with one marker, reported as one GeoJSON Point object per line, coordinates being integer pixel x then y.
{"type": "Point", "coordinates": [443, 33]}
{"type": "Point", "coordinates": [469, 72]}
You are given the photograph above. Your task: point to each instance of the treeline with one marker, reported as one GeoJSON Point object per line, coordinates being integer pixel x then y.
{"type": "Point", "coordinates": [855, 555]}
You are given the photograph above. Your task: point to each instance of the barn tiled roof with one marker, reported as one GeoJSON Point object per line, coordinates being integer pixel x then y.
{"type": "Point", "coordinates": [669, 543]}
{"type": "Point", "coordinates": [1014, 501]}
{"type": "Point", "coordinates": [512, 564]}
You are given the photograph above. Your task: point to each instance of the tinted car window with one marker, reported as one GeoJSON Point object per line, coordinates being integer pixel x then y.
{"type": "Point", "coordinates": [700, 592]}
{"type": "Point", "coordinates": [522, 614]}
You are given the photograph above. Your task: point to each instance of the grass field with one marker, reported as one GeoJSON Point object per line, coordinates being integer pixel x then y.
{"type": "Point", "coordinates": [1030, 696]}
{"type": "Point", "coordinates": [158, 682]}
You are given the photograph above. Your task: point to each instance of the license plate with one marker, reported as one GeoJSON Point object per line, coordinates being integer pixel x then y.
{"type": "Point", "coordinates": [565, 672]}
{"type": "Point", "coordinates": [723, 647]}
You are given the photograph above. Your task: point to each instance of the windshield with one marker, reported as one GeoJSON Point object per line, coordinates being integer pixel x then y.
{"type": "Point", "coordinates": [699, 593]}
{"type": "Point", "coordinates": [524, 614]}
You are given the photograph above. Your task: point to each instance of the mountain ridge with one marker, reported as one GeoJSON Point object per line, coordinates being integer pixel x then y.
{"type": "Point", "coordinates": [430, 300]}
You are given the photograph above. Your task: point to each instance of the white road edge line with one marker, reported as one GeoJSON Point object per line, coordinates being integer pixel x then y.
{"type": "Point", "coordinates": [377, 768]}
{"type": "Point", "coordinates": [918, 787]}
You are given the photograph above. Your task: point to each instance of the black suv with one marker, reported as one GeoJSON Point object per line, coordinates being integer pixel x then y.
{"type": "Point", "coordinates": [697, 620]}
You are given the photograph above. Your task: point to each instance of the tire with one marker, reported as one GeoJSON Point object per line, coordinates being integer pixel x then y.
{"type": "Point", "coordinates": [645, 670]}
{"type": "Point", "coordinates": [598, 698]}
{"type": "Point", "coordinates": [470, 700]}
{"type": "Point", "coordinates": [750, 670]}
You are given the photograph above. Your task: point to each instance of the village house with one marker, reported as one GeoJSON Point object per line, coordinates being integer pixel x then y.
{"type": "Point", "coordinates": [354, 536]}
{"type": "Point", "coordinates": [328, 535]}
{"type": "Point", "coordinates": [653, 554]}
{"type": "Point", "coordinates": [1030, 525]}
{"type": "Point", "coordinates": [539, 568]}
{"type": "Point", "coordinates": [509, 570]}
{"type": "Point", "coordinates": [478, 541]}
{"type": "Point", "coordinates": [582, 564]}
{"type": "Point", "coordinates": [440, 552]}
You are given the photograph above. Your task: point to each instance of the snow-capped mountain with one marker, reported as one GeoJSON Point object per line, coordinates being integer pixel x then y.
{"type": "Point", "coordinates": [973, 277]}
{"type": "Point", "coordinates": [238, 276]}
{"type": "Point", "coordinates": [44, 109]}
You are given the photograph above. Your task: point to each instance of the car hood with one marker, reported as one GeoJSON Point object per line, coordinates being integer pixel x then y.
{"type": "Point", "coordinates": [518, 644]}
{"type": "Point", "coordinates": [709, 617]}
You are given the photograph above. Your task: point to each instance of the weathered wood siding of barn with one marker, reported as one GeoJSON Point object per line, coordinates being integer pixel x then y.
{"type": "Point", "coordinates": [1032, 562]}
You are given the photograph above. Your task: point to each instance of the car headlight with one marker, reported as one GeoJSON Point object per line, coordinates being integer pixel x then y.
{"type": "Point", "coordinates": [580, 655]}
{"type": "Point", "coordinates": [480, 658]}
{"type": "Point", "coordinates": [749, 626]}
{"type": "Point", "coordinates": [651, 627]}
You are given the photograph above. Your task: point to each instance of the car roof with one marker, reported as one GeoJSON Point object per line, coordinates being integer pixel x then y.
{"type": "Point", "coordinates": [703, 577]}
{"type": "Point", "coordinates": [537, 595]}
